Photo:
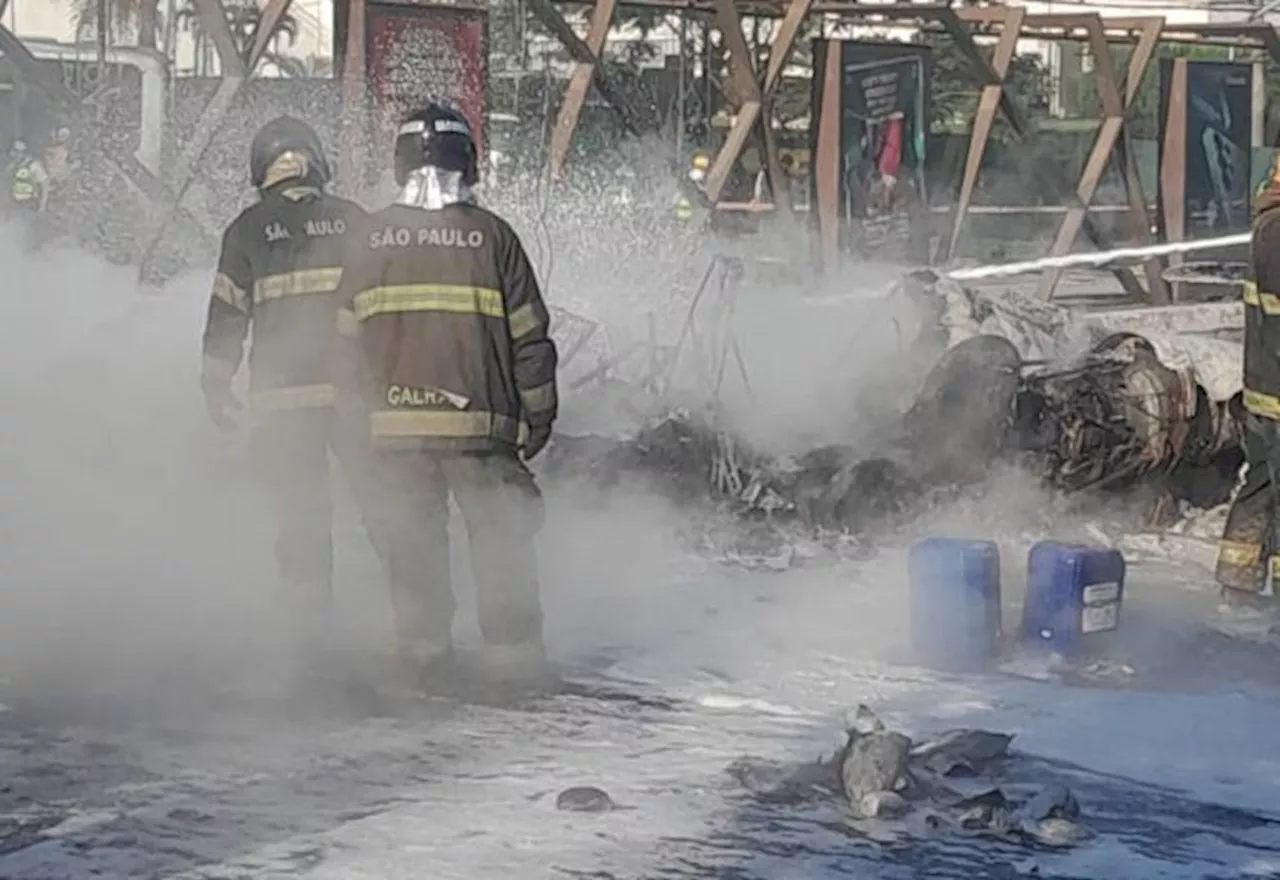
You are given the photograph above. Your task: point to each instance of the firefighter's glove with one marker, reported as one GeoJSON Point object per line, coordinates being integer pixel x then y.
{"type": "Point", "coordinates": [538, 438]}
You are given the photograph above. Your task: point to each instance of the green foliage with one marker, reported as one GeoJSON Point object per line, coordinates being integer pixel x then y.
{"type": "Point", "coordinates": [1144, 121]}
{"type": "Point", "coordinates": [955, 86]}
{"type": "Point", "coordinates": [124, 19]}
{"type": "Point", "coordinates": [243, 17]}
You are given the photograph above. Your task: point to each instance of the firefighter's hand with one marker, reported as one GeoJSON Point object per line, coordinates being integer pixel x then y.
{"type": "Point", "coordinates": [223, 407]}
{"type": "Point", "coordinates": [538, 438]}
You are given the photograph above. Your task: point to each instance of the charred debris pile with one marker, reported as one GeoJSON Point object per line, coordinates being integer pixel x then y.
{"type": "Point", "coordinates": [1105, 402]}
{"type": "Point", "coordinates": [962, 782]}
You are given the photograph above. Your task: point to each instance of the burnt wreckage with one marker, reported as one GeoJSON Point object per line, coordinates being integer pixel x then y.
{"type": "Point", "coordinates": [1082, 398]}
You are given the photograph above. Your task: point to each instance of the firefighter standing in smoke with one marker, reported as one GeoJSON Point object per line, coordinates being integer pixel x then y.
{"type": "Point", "coordinates": [1249, 555]}
{"type": "Point", "coordinates": [278, 273]}
{"type": "Point", "coordinates": [461, 376]}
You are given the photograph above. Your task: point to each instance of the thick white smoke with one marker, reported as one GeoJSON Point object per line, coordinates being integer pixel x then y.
{"type": "Point", "coordinates": [138, 545]}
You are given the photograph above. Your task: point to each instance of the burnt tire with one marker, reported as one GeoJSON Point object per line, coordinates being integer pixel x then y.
{"type": "Point", "coordinates": [960, 422]}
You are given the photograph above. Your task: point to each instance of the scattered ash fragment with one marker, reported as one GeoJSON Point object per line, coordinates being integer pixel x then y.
{"type": "Point", "coordinates": [954, 779]}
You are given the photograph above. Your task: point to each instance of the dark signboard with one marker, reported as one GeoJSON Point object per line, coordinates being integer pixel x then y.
{"type": "Point", "coordinates": [1219, 121]}
{"type": "Point", "coordinates": [883, 127]}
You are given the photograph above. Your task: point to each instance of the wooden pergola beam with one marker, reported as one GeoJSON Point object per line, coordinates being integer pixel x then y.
{"type": "Point", "coordinates": [1129, 29]}
{"type": "Point", "coordinates": [955, 23]}
{"type": "Point", "coordinates": [750, 97]}
{"type": "Point", "coordinates": [994, 18]}
{"type": "Point", "coordinates": [1173, 158]}
{"type": "Point", "coordinates": [213, 16]}
{"type": "Point", "coordinates": [1140, 224]}
{"type": "Point", "coordinates": [1107, 143]}
{"type": "Point", "coordinates": [268, 20]}
{"type": "Point", "coordinates": [587, 70]}
{"type": "Point", "coordinates": [213, 22]}
{"type": "Point", "coordinates": [992, 98]}
{"type": "Point", "coordinates": [780, 48]}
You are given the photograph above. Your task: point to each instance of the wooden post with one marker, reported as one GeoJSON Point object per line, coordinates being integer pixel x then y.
{"type": "Point", "coordinates": [825, 165]}
{"type": "Point", "coordinates": [1173, 161]}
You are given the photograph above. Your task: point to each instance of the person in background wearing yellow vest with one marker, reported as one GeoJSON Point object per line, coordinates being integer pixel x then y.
{"type": "Point", "coordinates": [27, 181]}
{"type": "Point", "coordinates": [691, 204]}
{"type": "Point", "coordinates": [1249, 554]}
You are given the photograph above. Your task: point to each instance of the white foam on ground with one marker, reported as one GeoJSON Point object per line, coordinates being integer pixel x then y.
{"type": "Point", "coordinates": [136, 584]}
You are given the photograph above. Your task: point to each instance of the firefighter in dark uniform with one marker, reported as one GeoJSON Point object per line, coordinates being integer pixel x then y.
{"type": "Point", "coordinates": [461, 373]}
{"type": "Point", "coordinates": [1249, 555]}
{"type": "Point", "coordinates": [278, 276]}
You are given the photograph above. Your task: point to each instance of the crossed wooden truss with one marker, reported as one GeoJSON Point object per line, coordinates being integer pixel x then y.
{"type": "Point", "coordinates": [755, 92]}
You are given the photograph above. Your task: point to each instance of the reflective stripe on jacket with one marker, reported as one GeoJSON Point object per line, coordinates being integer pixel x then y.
{"type": "Point", "coordinates": [278, 276]}
{"type": "Point", "coordinates": [455, 334]}
{"type": "Point", "coordinates": [1262, 312]}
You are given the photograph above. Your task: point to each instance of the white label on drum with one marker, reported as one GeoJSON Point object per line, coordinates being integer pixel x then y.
{"type": "Point", "coordinates": [1096, 618]}
{"type": "Point", "coordinates": [1096, 594]}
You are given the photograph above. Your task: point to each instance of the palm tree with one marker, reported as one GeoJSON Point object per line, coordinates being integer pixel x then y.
{"type": "Point", "coordinates": [141, 17]}
{"type": "Point", "coordinates": [243, 17]}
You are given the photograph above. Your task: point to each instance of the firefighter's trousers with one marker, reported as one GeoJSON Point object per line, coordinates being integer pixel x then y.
{"type": "Point", "coordinates": [1251, 540]}
{"type": "Point", "coordinates": [503, 510]}
{"type": "Point", "coordinates": [292, 451]}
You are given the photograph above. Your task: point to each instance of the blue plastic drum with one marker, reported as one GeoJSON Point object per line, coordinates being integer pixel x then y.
{"type": "Point", "coordinates": [955, 603]}
{"type": "Point", "coordinates": [1074, 596]}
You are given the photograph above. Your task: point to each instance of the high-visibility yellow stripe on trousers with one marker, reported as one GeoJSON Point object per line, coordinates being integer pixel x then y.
{"type": "Point", "coordinates": [1268, 302]}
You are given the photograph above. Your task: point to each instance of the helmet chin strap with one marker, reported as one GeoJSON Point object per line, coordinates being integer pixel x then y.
{"type": "Point", "coordinates": [434, 188]}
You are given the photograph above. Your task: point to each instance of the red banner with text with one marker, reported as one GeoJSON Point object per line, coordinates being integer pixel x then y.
{"type": "Point", "coordinates": [422, 53]}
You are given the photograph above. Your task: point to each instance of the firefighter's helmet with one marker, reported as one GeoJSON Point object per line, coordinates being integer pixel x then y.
{"type": "Point", "coordinates": [1273, 171]}
{"type": "Point", "coordinates": [1271, 181]}
{"type": "Point", "coordinates": [699, 165]}
{"type": "Point", "coordinates": [286, 134]}
{"type": "Point", "coordinates": [436, 137]}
